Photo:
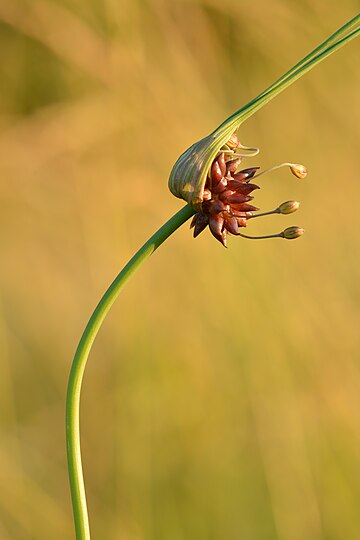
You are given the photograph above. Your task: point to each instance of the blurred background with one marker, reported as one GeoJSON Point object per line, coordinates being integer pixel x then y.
{"type": "Point", "coordinates": [222, 397]}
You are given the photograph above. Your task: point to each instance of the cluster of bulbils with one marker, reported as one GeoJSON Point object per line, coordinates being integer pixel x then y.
{"type": "Point", "coordinates": [226, 200]}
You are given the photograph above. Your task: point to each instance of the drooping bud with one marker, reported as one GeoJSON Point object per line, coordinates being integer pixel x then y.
{"type": "Point", "coordinates": [292, 232]}
{"type": "Point", "coordinates": [298, 170]}
{"type": "Point", "coordinates": [288, 207]}
{"type": "Point", "coordinates": [233, 142]}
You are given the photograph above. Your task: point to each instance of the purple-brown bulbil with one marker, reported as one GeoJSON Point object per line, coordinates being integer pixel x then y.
{"type": "Point", "coordinates": [226, 206]}
{"type": "Point", "coordinates": [225, 202]}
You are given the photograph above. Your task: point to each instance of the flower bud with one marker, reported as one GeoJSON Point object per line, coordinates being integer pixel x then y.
{"type": "Point", "coordinates": [233, 142]}
{"type": "Point", "coordinates": [288, 207]}
{"type": "Point", "coordinates": [300, 171]}
{"type": "Point", "coordinates": [292, 232]}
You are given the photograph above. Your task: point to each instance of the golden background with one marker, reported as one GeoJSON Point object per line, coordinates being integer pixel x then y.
{"type": "Point", "coordinates": [222, 397]}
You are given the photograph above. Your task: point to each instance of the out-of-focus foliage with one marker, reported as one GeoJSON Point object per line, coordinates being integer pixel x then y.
{"type": "Point", "coordinates": [221, 400]}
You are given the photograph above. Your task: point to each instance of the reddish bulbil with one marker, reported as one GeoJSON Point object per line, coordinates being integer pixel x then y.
{"type": "Point", "coordinates": [225, 205]}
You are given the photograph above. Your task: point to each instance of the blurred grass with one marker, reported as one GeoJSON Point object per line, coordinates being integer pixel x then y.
{"type": "Point", "coordinates": [222, 396]}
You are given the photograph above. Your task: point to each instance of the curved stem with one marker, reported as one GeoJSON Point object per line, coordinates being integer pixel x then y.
{"type": "Point", "coordinates": [79, 363]}
{"type": "Point", "coordinates": [338, 39]}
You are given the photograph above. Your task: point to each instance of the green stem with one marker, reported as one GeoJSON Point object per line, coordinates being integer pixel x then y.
{"type": "Point", "coordinates": [79, 363]}
{"type": "Point", "coordinates": [341, 37]}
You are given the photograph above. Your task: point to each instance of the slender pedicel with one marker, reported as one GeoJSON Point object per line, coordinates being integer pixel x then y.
{"type": "Point", "coordinates": [289, 234]}
{"type": "Point", "coordinates": [287, 207]}
{"type": "Point", "coordinates": [297, 169]}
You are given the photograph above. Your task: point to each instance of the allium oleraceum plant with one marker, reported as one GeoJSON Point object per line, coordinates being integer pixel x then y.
{"type": "Point", "coordinates": [208, 177]}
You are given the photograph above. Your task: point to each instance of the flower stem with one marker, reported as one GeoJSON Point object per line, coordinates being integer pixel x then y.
{"type": "Point", "coordinates": [338, 39]}
{"type": "Point", "coordinates": [79, 363]}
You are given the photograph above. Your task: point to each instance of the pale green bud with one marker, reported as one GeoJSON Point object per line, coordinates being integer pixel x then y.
{"type": "Point", "coordinates": [289, 207]}
{"type": "Point", "coordinates": [292, 232]}
{"type": "Point", "coordinates": [300, 171]}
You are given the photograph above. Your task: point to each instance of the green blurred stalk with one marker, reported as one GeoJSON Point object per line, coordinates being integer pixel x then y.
{"type": "Point", "coordinates": [342, 36]}
{"type": "Point", "coordinates": [338, 39]}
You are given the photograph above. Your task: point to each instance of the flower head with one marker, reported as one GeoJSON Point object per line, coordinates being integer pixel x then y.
{"type": "Point", "coordinates": [226, 197]}
{"type": "Point", "coordinates": [226, 203]}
